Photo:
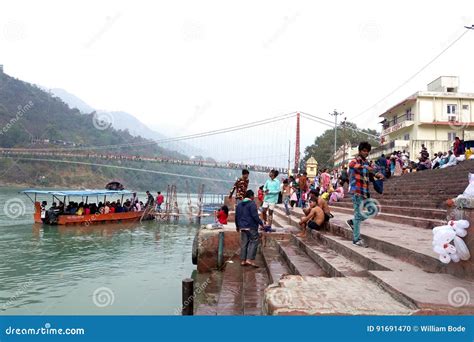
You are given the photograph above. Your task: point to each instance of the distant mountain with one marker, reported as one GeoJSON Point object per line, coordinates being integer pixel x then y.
{"type": "Point", "coordinates": [33, 118]}
{"type": "Point", "coordinates": [122, 120]}
{"type": "Point", "coordinates": [72, 100]}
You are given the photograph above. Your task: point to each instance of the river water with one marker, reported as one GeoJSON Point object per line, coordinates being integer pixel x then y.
{"type": "Point", "coordinates": [108, 269]}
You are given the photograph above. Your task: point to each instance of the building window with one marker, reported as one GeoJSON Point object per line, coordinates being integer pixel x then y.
{"type": "Point", "coordinates": [406, 136]}
{"type": "Point", "coordinates": [451, 136]}
{"type": "Point", "coordinates": [409, 115]}
{"type": "Point", "coordinates": [465, 107]}
{"type": "Point", "coordinates": [395, 120]}
{"type": "Point", "coordinates": [311, 169]}
{"type": "Point", "coordinates": [451, 109]}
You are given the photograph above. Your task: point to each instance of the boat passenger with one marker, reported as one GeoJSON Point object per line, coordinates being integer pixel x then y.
{"type": "Point", "coordinates": [73, 209]}
{"type": "Point", "coordinates": [80, 209]}
{"type": "Point", "coordinates": [118, 207]}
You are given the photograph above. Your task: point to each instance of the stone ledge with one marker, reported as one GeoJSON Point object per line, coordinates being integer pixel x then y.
{"type": "Point", "coordinates": [297, 295]}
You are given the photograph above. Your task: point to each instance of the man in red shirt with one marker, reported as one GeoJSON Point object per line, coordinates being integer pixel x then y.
{"type": "Point", "coordinates": [159, 201]}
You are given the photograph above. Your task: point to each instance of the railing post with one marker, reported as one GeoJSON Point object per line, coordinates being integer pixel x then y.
{"type": "Point", "coordinates": [220, 251]}
{"type": "Point", "coordinates": [188, 297]}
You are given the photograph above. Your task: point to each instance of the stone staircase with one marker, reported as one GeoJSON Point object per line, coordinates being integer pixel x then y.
{"type": "Point", "coordinates": [398, 273]}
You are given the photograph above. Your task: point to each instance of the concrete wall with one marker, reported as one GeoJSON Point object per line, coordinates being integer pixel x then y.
{"type": "Point", "coordinates": [435, 109]}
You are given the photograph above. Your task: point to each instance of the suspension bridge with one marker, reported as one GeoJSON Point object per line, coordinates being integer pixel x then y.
{"type": "Point", "coordinates": [272, 143]}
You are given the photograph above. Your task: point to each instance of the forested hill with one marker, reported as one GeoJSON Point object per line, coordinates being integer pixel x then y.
{"type": "Point", "coordinates": [35, 119]}
{"type": "Point", "coordinates": [31, 117]}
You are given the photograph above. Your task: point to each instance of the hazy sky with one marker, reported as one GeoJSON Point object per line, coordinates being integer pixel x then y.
{"type": "Point", "coordinates": [211, 64]}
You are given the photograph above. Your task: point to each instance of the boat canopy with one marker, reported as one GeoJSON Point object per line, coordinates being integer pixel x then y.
{"type": "Point", "coordinates": [94, 192]}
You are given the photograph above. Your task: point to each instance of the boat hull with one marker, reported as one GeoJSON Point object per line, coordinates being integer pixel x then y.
{"type": "Point", "coordinates": [90, 219]}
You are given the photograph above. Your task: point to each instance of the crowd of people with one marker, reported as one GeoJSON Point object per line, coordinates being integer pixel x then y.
{"type": "Point", "coordinates": [253, 213]}
{"type": "Point", "coordinates": [399, 162]}
{"type": "Point", "coordinates": [132, 204]}
{"type": "Point", "coordinates": [328, 186]}
{"type": "Point", "coordinates": [168, 160]}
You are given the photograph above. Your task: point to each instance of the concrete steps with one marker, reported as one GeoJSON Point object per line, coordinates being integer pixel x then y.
{"type": "Point", "coordinates": [399, 260]}
{"type": "Point", "coordinates": [333, 263]}
{"type": "Point", "coordinates": [242, 289]}
{"type": "Point", "coordinates": [274, 262]}
{"type": "Point", "coordinates": [401, 241]}
{"type": "Point", "coordinates": [432, 204]}
{"type": "Point", "coordinates": [415, 221]}
{"type": "Point", "coordinates": [299, 262]}
{"type": "Point", "coordinates": [437, 214]}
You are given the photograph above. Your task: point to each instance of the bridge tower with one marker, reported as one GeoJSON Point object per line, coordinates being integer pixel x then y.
{"type": "Point", "coordinates": [297, 145]}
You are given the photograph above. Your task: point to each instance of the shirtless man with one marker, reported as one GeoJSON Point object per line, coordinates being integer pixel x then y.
{"type": "Point", "coordinates": [313, 219]}
{"type": "Point", "coordinates": [321, 203]}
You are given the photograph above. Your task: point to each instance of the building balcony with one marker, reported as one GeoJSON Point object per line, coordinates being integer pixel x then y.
{"type": "Point", "coordinates": [398, 125]}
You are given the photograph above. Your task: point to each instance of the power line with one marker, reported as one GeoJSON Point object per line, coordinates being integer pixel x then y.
{"type": "Point", "coordinates": [322, 121]}
{"type": "Point", "coordinates": [414, 75]}
{"type": "Point", "coordinates": [186, 137]}
{"type": "Point", "coordinates": [335, 114]}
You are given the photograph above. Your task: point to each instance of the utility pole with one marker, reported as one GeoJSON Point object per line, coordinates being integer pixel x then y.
{"type": "Point", "coordinates": [297, 144]}
{"type": "Point", "coordinates": [335, 114]}
{"type": "Point", "coordinates": [289, 157]}
{"type": "Point", "coordinates": [344, 142]}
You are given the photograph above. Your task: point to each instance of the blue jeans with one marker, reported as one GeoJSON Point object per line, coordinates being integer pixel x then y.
{"type": "Point", "coordinates": [249, 240]}
{"type": "Point", "coordinates": [357, 202]}
{"type": "Point", "coordinates": [286, 201]}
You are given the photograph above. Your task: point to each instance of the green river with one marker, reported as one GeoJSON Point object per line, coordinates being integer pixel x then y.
{"type": "Point", "coordinates": [108, 269]}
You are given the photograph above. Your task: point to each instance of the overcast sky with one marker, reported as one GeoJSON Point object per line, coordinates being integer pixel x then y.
{"type": "Point", "coordinates": [212, 64]}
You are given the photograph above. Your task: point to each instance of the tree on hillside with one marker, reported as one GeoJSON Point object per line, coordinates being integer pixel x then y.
{"type": "Point", "coordinates": [323, 148]}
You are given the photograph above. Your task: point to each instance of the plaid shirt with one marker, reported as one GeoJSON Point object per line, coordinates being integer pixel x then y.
{"type": "Point", "coordinates": [241, 187]}
{"type": "Point", "coordinates": [359, 177]}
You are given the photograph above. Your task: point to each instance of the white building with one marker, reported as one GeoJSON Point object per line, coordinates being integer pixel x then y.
{"type": "Point", "coordinates": [344, 155]}
{"type": "Point", "coordinates": [433, 118]}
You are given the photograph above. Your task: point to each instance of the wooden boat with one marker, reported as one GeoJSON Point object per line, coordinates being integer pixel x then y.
{"type": "Point", "coordinates": [67, 219]}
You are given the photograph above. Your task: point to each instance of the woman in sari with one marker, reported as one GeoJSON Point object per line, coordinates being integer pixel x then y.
{"type": "Point", "coordinates": [398, 165]}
